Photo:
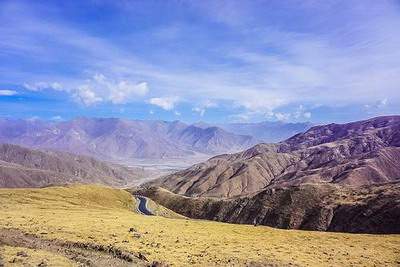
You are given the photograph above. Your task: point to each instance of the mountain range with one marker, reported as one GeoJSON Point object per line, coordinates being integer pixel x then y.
{"type": "Point", "coordinates": [357, 153]}
{"type": "Point", "coordinates": [335, 177]}
{"type": "Point", "coordinates": [119, 139]}
{"type": "Point", "coordinates": [23, 167]}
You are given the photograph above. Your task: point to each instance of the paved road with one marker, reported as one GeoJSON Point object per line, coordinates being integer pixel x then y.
{"type": "Point", "coordinates": [142, 207]}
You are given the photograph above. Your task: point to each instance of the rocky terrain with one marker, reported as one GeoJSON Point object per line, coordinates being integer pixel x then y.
{"type": "Point", "coordinates": [119, 139]}
{"type": "Point", "coordinates": [322, 207]}
{"type": "Point", "coordinates": [23, 167]}
{"type": "Point", "coordinates": [336, 177]}
{"type": "Point", "coordinates": [358, 153]}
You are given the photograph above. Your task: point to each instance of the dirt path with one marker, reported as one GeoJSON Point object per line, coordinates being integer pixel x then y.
{"type": "Point", "coordinates": [81, 253]}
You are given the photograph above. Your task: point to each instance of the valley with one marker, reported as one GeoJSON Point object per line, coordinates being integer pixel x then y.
{"type": "Point", "coordinates": [102, 220]}
{"type": "Point", "coordinates": [205, 133]}
{"type": "Point", "coordinates": [156, 168]}
{"type": "Point", "coordinates": [326, 197]}
{"type": "Point", "coordinates": [358, 153]}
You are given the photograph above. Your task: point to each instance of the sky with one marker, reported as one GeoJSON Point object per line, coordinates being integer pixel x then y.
{"type": "Point", "coordinates": [214, 61]}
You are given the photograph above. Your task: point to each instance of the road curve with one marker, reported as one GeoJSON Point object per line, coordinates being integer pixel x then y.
{"type": "Point", "coordinates": [142, 207]}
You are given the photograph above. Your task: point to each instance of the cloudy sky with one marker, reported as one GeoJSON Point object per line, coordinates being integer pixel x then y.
{"type": "Point", "coordinates": [215, 61]}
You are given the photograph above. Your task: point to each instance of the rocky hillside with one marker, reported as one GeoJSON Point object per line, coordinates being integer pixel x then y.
{"type": "Point", "coordinates": [120, 139]}
{"type": "Point", "coordinates": [23, 167]}
{"type": "Point", "coordinates": [358, 153]}
{"type": "Point", "coordinates": [323, 207]}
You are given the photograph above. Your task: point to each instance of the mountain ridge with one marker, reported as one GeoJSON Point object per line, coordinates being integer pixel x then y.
{"type": "Point", "coordinates": [24, 167]}
{"type": "Point", "coordinates": [112, 138]}
{"type": "Point", "coordinates": [317, 207]}
{"type": "Point", "coordinates": [358, 153]}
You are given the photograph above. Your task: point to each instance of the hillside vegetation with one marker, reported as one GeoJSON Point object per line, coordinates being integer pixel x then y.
{"type": "Point", "coordinates": [94, 219]}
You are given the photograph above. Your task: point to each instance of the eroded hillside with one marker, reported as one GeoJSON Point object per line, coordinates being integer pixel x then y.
{"type": "Point", "coordinates": [322, 207]}
{"type": "Point", "coordinates": [359, 153]}
{"type": "Point", "coordinates": [24, 167]}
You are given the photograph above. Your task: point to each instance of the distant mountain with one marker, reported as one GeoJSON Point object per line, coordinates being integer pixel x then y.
{"type": "Point", "coordinates": [358, 153]}
{"type": "Point", "coordinates": [23, 167]}
{"type": "Point", "coordinates": [268, 131]}
{"type": "Point", "coordinates": [211, 139]}
{"type": "Point", "coordinates": [110, 138]}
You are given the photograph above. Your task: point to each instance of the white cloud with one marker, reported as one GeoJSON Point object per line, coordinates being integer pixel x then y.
{"type": "Point", "coordinates": [102, 89]}
{"type": "Point", "coordinates": [96, 89]}
{"type": "Point", "coordinates": [300, 114]}
{"type": "Point", "coordinates": [260, 101]}
{"type": "Point", "coordinates": [121, 92]}
{"type": "Point", "coordinates": [39, 86]}
{"type": "Point", "coordinates": [282, 116]}
{"type": "Point", "coordinates": [167, 103]}
{"type": "Point", "coordinates": [201, 109]}
{"type": "Point", "coordinates": [86, 95]}
{"type": "Point", "coordinates": [8, 92]}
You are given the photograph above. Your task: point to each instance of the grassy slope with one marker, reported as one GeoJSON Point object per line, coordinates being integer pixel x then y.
{"type": "Point", "coordinates": [159, 210]}
{"type": "Point", "coordinates": [33, 257]}
{"type": "Point", "coordinates": [104, 216]}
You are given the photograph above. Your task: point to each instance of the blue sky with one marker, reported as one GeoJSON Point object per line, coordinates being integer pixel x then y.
{"type": "Point", "coordinates": [215, 61]}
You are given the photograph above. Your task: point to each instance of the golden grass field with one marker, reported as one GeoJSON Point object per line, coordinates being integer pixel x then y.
{"type": "Point", "coordinates": [34, 259]}
{"type": "Point", "coordinates": [101, 215]}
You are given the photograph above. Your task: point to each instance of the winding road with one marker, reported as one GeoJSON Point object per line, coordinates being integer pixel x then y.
{"type": "Point", "coordinates": [142, 207]}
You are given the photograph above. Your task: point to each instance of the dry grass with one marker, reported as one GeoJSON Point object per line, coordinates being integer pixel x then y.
{"type": "Point", "coordinates": [104, 216]}
{"type": "Point", "coordinates": [162, 211]}
{"type": "Point", "coordinates": [33, 257]}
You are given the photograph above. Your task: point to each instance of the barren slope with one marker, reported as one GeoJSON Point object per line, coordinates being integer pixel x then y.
{"type": "Point", "coordinates": [322, 207]}
{"type": "Point", "coordinates": [359, 153]}
{"type": "Point", "coordinates": [23, 167]}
